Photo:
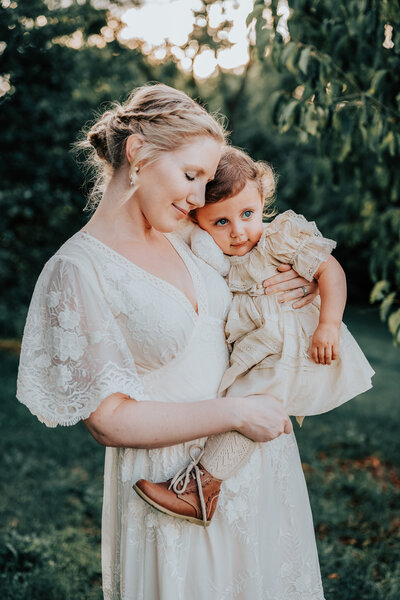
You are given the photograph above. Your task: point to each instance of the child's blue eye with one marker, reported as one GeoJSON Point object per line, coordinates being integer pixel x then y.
{"type": "Point", "coordinates": [222, 222]}
{"type": "Point", "coordinates": [247, 214]}
{"type": "Point", "coordinates": [188, 177]}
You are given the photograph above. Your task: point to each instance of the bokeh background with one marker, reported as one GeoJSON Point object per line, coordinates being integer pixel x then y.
{"type": "Point", "coordinates": [313, 87]}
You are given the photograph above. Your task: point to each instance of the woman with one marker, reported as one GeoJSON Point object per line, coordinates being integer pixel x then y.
{"type": "Point", "coordinates": [125, 331]}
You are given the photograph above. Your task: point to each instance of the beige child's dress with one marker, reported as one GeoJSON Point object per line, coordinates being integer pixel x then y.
{"type": "Point", "coordinates": [271, 341]}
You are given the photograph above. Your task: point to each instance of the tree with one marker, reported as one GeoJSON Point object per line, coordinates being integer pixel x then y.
{"type": "Point", "coordinates": [58, 65]}
{"type": "Point", "coordinates": [341, 67]}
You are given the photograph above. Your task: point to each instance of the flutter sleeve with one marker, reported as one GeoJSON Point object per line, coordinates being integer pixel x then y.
{"type": "Point", "coordinates": [291, 239]}
{"type": "Point", "coordinates": [73, 352]}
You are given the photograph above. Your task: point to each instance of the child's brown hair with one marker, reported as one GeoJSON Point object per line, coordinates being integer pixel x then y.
{"type": "Point", "coordinates": [234, 170]}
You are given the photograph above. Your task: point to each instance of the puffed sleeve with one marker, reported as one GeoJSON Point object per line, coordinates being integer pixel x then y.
{"type": "Point", "coordinates": [291, 239]}
{"type": "Point", "coordinates": [73, 353]}
{"type": "Point", "coordinates": [203, 246]}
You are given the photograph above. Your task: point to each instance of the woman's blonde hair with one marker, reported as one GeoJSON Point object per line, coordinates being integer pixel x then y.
{"type": "Point", "coordinates": [234, 170]}
{"type": "Point", "coordinates": [165, 119]}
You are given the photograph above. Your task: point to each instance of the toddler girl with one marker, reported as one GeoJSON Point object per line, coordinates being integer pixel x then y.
{"type": "Point", "coordinates": [306, 357]}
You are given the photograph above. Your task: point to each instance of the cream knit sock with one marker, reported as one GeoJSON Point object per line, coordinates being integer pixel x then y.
{"type": "Point", "coordinates": [225, 453]}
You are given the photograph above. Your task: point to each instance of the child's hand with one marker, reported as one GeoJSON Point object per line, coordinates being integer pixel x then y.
{"type": "Point", "coordinates": [325, 344]}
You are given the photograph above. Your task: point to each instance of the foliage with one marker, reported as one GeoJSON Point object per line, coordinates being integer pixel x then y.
{"type": "Point", "coordinates": [246, 97]}
{"type": "Point", "coordinates": [322, 108]}
{"type": "Point", "coordinates": [60, 70]}
{"type": "Point", "coordinates": [341, 90]}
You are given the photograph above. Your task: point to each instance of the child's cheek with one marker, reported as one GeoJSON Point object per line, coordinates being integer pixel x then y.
{"type": "Point", "coordinates": [222, 240]}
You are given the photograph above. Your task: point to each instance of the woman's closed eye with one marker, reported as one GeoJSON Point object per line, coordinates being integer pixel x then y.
{"type": "Point", "coordinates": [190, 177]}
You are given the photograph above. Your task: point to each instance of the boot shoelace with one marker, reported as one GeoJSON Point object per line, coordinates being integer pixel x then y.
{"type": "Point", "coordinates": [180, 481]}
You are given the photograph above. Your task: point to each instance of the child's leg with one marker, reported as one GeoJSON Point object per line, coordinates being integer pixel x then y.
{"type": "Point", "coordinates": [192, 494]}
{"type": "Point", "coordinates": [225, 453]}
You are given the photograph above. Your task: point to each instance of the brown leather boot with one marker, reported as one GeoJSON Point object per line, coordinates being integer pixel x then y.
{"type": "Point", "coordinates": [192, 494]}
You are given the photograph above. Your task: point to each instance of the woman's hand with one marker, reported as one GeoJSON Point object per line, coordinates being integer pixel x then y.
{"type": "Point", "coordinates": [292, 285]}
{"type": "Point", "coordinates": [262, 418]}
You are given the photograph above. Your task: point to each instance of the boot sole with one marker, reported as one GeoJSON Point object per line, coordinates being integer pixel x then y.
{"type": "Point", "coordinates": [169, 512]}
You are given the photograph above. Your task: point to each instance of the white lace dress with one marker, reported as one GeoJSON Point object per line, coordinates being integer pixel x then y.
{"type": "Point", "coordinates": [98, 324]}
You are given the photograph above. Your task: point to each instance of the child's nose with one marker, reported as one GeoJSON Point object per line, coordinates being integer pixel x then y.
{"type": "Point", "coordinates": [237, 229]}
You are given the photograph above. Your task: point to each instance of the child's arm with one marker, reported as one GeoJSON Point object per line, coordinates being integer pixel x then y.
{"type": "Point", "coordinates": [332, 289]}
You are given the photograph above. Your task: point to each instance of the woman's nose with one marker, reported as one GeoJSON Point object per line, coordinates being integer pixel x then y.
{"type": "Point", "coordinates": [197, 196]}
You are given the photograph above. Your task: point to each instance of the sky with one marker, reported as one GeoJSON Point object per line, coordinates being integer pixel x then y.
{"type": "Point", "coordinates": [172, 20]}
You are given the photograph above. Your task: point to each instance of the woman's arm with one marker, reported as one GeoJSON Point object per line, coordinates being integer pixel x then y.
{"type": "Point", "coordinates": [120, 421]}
{"type": "Point", "coordinates": [292, 285]}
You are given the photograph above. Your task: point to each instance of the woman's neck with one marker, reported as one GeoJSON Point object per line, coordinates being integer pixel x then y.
{"type": "Point", "coordinates": [118, 216]}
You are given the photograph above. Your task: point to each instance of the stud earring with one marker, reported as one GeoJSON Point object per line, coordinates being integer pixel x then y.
{"type": "Point", "coordinates": [133, 176]}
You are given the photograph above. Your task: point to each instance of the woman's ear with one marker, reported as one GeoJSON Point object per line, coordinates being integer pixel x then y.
{"type": "Point", "coordinates": [133, 145]}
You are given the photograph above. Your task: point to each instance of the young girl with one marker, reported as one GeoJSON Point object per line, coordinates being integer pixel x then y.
{"type": "Point", "coordinates": [306, 358]}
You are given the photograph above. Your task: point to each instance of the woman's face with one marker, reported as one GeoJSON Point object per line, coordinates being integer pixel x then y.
{"type": "Point", "coordinates": [174, 184]}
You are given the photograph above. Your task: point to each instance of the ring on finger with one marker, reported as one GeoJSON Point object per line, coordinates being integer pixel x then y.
{"type": "Point", "coordinates": [305, 290]}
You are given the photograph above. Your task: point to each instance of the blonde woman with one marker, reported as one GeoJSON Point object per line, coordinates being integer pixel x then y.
{"type": "Point", "coordinates": [126, 332]}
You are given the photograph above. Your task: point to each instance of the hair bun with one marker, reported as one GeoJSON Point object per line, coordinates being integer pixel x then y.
{"type": "Point", "coordinates": [98, 139]}
{"type": "Point", "coordinates": [163, 117]}
{"type": "Point", "coordinates": [97, 136]}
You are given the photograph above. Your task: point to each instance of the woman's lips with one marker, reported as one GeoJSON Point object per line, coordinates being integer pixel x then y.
{"type": "Point", "coordinates": [184, 213]}
{"type": "Point", "coordinates": [239, 245]}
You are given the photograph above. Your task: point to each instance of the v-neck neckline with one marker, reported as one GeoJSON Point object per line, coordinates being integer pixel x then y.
{"type": "Point", "coordinates": [188, 262]}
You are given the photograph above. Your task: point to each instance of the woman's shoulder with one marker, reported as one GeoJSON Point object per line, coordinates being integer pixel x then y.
{"type": "Point", "coordinates": [74, 262]}
{"type": "Point", "coordinates": [74, 249]}
{"type": "Point", "coordinates": [83, 249]}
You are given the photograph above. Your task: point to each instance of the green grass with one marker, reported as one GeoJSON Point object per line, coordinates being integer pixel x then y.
{"type": "Point", "coordinates": [50, 505]}
{"type": "Point", "coordinates": [51, 490]}
{"type": "Point", "coordinates": [351, 459]}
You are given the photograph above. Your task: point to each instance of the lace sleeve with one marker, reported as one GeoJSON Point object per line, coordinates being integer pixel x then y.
{"type": "Point", "coordinates": [291, 239]}
{"type": "Point", "coordinates": [73, 352]}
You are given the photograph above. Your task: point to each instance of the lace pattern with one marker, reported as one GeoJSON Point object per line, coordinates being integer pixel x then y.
{"type": "Point", "coordinates": [265, 539]}
{"type": "Point", "coordinates": [91, 313]}
{"type": "Point", "coordinates": [68, 363]}
{"type": "Point", "coordinates": [226, 453]}
{"type": "Point", "coordinates": [291, 239]}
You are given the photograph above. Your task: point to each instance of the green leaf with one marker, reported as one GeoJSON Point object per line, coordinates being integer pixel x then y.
{"type": "Point", "coordinates": [377, 80]}
{"type": "Point", "coordinates": [394, 322]}
{"type": "Point", "coordinates": [256, 13]}
{"type": "Point", "coordinates": [386, 305]}
{"type": "Point", "coordinates": [273, 104]}
{"type": "Point", "coordinates": [346, 149]}
{"type": "Point", "coordinates": [291, 63]}
{"type": "Point", "coordinates": [289, 56]}
{"type": "Point", "coordinates": [311, 120]}
{"type": "Point", "coordinates": [287, 116]}
{"type": "Point", "coordinates": [389, 143]}
{"type": "Point", "coordinates": [364, 133]}
{"type": "Point", "coordinates": [303, 61]}
{"type": "Point", "coordinates": [380, 289]}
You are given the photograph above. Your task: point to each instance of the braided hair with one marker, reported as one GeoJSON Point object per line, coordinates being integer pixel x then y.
{"type": "Point", "coordinates": [165, 119]}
